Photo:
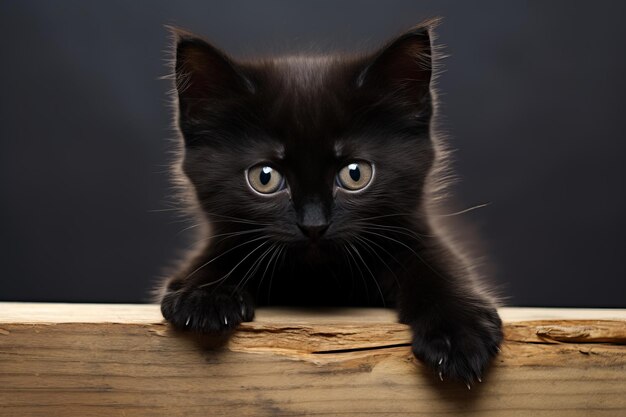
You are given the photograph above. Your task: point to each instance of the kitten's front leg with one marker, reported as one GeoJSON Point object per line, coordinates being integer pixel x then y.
{"type": "Point", "coordinates": [202, 303]}
{"type": "Point", "coordinates": [456, 329]}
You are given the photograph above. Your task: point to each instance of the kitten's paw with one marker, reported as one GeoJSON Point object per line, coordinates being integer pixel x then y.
{"type": "Point", "coordinates": [207, 310]}
{"type": "Point", "coordinates": [459, 349]}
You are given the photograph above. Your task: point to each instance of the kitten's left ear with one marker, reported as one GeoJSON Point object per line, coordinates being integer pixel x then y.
{"type": "Point", "coordinates": [204, 74]}
{"type": "Point", "coordinates": [402, 68]}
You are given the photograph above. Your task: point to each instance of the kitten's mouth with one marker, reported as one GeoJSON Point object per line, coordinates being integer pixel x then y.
{"type": "Point", "coordinates": [314, 249]}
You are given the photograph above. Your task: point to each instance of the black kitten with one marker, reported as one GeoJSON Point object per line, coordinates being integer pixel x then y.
{"type": "Point", "coordinates": [312, 177]}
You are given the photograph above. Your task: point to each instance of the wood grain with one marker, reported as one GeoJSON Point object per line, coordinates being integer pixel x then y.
{"type": "Point", "coordinates": [121, 360]}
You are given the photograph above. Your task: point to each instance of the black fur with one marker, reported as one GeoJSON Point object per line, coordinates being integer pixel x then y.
{"type": "Point", "coordinates": [308, 117]}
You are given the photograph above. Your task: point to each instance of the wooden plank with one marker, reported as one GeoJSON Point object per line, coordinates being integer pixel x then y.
{"type": "Point", "coordinates": [121, 360]}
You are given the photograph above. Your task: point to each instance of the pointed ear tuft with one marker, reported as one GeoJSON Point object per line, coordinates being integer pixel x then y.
{"type": "Point", "coordinates": [404, 66]}
{"type": "Point", "coordinates": [203, 73]}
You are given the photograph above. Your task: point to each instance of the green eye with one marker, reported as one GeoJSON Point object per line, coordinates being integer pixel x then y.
{"type": "Point", "coordinates": [265, 179]}
{"type": "Point", "coordinates": [355, 176]}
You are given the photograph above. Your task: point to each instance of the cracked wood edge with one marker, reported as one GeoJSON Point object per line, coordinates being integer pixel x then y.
{"type": "Point", "coordinates": [327, 330]}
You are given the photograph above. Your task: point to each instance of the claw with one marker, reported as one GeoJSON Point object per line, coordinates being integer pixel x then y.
{"type": "Point", "coordinates": [188, 320]}
{"type": "Point", "coordinates": [243, 311]}
{"type": "Point", "coordinates": [225, 321]}
{"type": "Point", "coordinates": [479, 380]}
{"type": "Point", "coordinates": [440, 361]}
{"type": "Point", "coordinates": [440, 375]}
{"type": "Point", "coordinates": [469, 387]}
{"type": "Point", "coordinates": [498, 349]}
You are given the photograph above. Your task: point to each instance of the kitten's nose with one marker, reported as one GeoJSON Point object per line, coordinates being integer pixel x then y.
{"type": "Point", "coordinates": [313, 232]}
{"type": "Point", "coordinates": [313, 222]}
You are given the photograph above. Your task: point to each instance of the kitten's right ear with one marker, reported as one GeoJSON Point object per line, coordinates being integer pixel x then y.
{"type": "Point", "coordinates": [403, 67]}
{"type": "Point", "coordinates": [204, 74]}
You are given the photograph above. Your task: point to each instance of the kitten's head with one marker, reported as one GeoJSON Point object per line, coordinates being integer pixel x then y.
{"type": "Point", "coordinates": [307, 149]}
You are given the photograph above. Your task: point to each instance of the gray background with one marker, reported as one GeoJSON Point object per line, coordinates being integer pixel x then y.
{"type": "Point", "coordinates": [533, 98]}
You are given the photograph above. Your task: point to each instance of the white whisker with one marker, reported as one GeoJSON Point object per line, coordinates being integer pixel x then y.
{"type": "Point", "coordinates": [222, 254]}
{"type": "Point", "coordinates": [276, 248]}
{"type": "Point", "coordinates": [411, 249]}
{"type": "Point", "coordinates": [364, 243]}
{"type": "Point", "coordinates": [253, 268]}
{"type": "Point", "coordinates": [269, 290]}
{"type": "Point", "coordinates": [401, 230]}
{"type": "Point", "coordinates": [229, 235]}
{"type": "Point", "coordinates": [386, 215]}
{"type": "Point", "coordinates": [235, 267]}
{"type": "Point", "coordinates": [382, 297]}
{"type": "Point", "coordinates": [367, 292]}
{"type": "Point", "coordinates": [463, 211]}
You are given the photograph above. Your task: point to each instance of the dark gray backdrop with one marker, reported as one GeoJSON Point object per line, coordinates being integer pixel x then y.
{"type": "Point", "coordinates": [533, 98]}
